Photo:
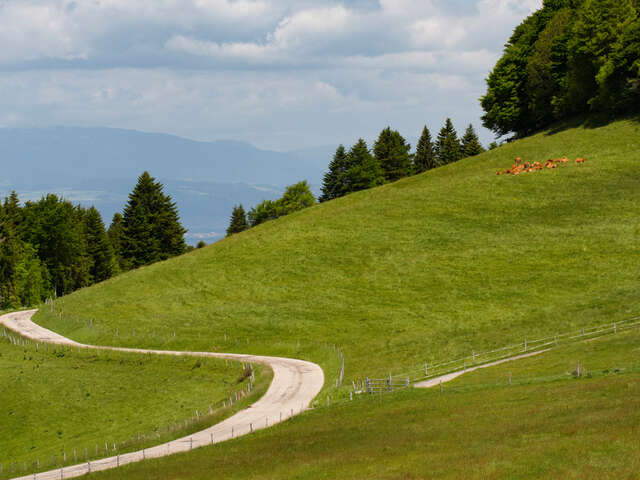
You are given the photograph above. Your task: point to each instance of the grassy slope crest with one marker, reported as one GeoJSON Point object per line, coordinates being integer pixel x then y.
{"type": "Point", "coordinates": [423, 269]}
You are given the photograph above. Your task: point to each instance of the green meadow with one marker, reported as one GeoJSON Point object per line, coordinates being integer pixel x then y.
{"type": "Point", "coordinates": [56, 401]}
{"type": "Point", "coordinates": [425, 269]}
{"type": "Point", "coordinates": [549, 423]}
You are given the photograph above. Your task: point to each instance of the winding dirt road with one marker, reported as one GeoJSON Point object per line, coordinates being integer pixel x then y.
{"type": "Point", "coordinates": [294, 386]}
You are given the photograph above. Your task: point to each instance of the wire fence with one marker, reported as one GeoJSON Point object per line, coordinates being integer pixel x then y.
{"type": "Point", "coordinates": [527, 346]}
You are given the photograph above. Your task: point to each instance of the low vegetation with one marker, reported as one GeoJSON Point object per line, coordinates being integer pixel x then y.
{"type": "Point", "coordinates": [548, 423]}
{"type": "Point", "coordinates": [419, 270]}
{"type": "Point", "coordinates": [57, 401]}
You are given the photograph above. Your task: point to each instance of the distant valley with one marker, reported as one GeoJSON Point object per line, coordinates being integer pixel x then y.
{"type": "Point", "coordinates": [99, 166]}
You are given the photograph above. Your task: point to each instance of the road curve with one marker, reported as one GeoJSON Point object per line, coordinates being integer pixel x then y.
{"type": "Point", "coordinates": [294, 386]}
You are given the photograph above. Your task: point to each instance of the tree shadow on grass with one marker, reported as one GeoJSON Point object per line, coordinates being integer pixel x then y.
{"type": "Point", "coordinates": [589, 121]}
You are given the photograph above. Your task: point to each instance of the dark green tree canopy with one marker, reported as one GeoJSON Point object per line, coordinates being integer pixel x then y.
{"type": "Point", "coordinates": [334, 183]}
{"type": "Point", "coordinates": [56, 230]}
{"type": "Point", "coordinates": [98, 247]}
{"type": "Point", "coordinates": [425, 157]}
{"type": "Point", "coordinates": [391, 151]}
{"type": "Point", "coordinates": [238, 222]}
{"type": "Point", "coordinates": [447, 145]}
{"type": "Point", "coordinates": [470, 143]}
{"type": "Point", "coordinates": [364, 169]}
{"type": "Point", "coordinates": [152, 228]}
{"type": "Point", "coordinates": [570, 57]}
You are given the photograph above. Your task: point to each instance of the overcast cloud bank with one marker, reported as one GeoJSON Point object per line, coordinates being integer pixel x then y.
{"type": "Point", "coordinates": [281, 74]}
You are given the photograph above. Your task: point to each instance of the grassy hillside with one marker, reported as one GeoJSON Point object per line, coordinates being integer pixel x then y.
{"type": "Point", "coordinates": [547, 424]}
{"type": "Point", "coordinates": [423, 269]}
{"type": "Point", "coordinates": [55, 400]}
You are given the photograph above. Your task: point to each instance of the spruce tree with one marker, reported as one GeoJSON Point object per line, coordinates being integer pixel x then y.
{"type": "Point", "coordinates": [364, 169]}
{"type": "Point", "coordinates": [238, 221]}
{"type": "Point", "coordinates": [98, 247]}
{"type": "Point", "coordinates": [152, 229]}
{"type": "Point", "coordinates": [471, 145]}
{"type": "Point", "coordinates": [116, 232]}
{"type": "Point", "coordinates": [447, 144]}
{"type": "Point", "coordinates": [333, 183]}
{"type": "Point", "coordinates": [425, 157]}
{"type": "Point", "coordinates": [392, 152]}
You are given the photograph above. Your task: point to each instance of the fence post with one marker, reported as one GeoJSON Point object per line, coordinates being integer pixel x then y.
{"type": "Point", "coordinates": [440, 385]}
{"type": "Point", "coordinates": [509, 378]}
{"type": "Point", "coordinates": [525, 344]}
{"type": "Point", "coordinates": [615, 328]}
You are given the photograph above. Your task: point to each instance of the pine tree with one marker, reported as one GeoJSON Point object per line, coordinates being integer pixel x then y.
{"type": "Point", "coordinates": [98, 247]}
{"type": "Point", "coordinates": [152, 229]}
{"type": "Point", "coordinates": [238, 221]}
{"type": "Point", "coordinates": [425, 157]}
{"type": "Point", "coordinates": [364, 169]}
{"type": "Point", "coordinates": [447, 144]}
{"type": "Point", "coordinates": [471, 145]}
{"type": "Point", "coordinates": [115, 233]}
{"type": "Point", "coordinates": [333, 183]}
{"type": "Point", "coordinates": [392, 152]}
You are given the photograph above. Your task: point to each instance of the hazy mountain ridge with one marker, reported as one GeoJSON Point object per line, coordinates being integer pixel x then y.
{"type": "Point", "coordinates": [99, 166]}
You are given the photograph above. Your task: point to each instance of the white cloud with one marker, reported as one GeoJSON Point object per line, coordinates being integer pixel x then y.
{"type": "Point", "coordinates": [279, 73]}
{"type": "Point", "coordinates": [437, 32]}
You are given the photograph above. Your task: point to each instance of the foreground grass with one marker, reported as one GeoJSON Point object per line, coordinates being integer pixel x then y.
{"type": "Point", "coordinates": [424, 269]}
{"type": "Point", "coordinates": [542, 426]}
{"type": "Point", "coordinates": [56, 400]}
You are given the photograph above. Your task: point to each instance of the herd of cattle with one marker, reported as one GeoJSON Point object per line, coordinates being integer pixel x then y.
{"type": "Point", "coordinates": [527, 167]}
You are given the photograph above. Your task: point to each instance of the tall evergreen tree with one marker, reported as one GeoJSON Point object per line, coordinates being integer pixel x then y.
{"type": "Point", "coordinates": [152, 229]}
{"type": "Point", "coordinates": [238, 221]}
{"type": "Point", "coordinates": [364, 169]}
{"type": "Point", "coordinates": [333, 183]}
{"type": "Point", "coordinates": [392, 152]}
{"type": "Point", "coordinates": [470, 143]}
{"type": "Point", "coordinates": [115, 233]}
{"type": "Point", "coordinates": [425, 157]}
{"type": "Point", "coordinates": [98, 247]}
{"type": "Point", "coordinates": [447, 144]}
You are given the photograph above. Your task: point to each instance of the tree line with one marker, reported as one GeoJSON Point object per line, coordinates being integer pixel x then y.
{"type": "Point", "coordinates": [359, 168]}
{"type": "Point", "coordinates": [51, 247]}
{"type": "Point", "coordinates": [295, 197]}
{"type": "Point", "coordinates": [571, 57]}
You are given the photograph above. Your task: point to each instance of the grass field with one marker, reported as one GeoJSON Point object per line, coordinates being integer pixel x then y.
{"type": "Point", "coordinates": [55, 400]}
{"type": "Point", "coordinates": [548, 423]}
{"type": "Point", "coordinates": [423, 269]}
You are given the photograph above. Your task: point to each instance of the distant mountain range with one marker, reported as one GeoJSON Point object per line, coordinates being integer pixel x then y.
{"type": "Point", "coordinates": [99, 166]}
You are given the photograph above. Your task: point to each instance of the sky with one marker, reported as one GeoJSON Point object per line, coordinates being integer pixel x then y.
{"type": "Point", "coordinates": [280, 74]}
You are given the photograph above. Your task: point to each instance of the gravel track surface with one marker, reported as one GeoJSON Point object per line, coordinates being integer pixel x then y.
{"type": "Point", "coordinates": [294, 386]}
